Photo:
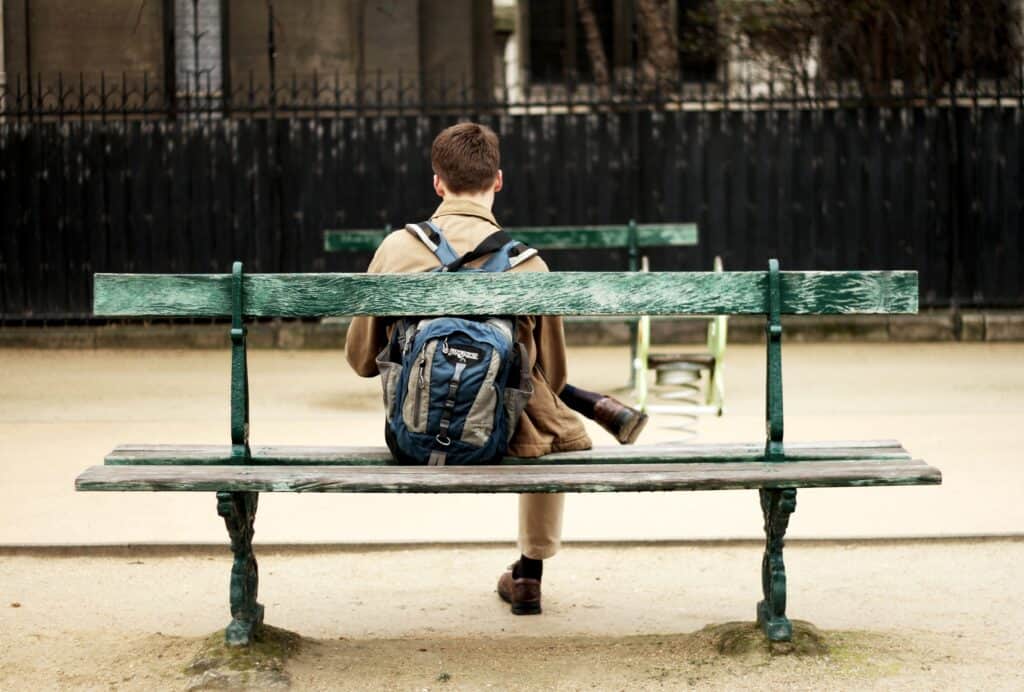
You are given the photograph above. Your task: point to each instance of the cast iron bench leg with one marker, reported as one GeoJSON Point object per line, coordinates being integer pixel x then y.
{"type": "Point", "coordinates": [776, 505]}
{"type": "Point", "coordinates": [239, 512]}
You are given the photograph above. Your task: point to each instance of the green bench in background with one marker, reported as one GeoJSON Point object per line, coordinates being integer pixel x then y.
{"type": "Point", "coordinates": [632, 237]}
{"type": "Point", "coordinates": [238, 472]}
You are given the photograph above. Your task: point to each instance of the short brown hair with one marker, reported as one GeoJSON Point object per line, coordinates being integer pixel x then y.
{"type": "Point", "coordinates": [466, 157]}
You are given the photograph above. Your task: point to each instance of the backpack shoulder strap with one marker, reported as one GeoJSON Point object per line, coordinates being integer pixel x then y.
{"type": "Point", "coordinates": [510, 255]}
{"type": "Point", "coordinates": [504, 250]}
{"type": "Point", "coordinates": [430, 235]}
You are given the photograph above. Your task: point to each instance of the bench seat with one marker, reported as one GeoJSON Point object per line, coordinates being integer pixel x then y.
{"type": "Point", "coordinates": [607, 469]}
{"type": "Point", "coordinates": [511, 479]}
{"type": "Point", "coordinates": [281, 455]}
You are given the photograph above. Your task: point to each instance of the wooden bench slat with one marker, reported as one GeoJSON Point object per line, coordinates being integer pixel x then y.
{"type": "Point", "coordinates": [496, 479]}
{"type": "Point", "coordinates": [278, 455]}
{"type": "Point", "coordinates": [544, 237]}
{"type": "Point", "coordinates": [555, 293]}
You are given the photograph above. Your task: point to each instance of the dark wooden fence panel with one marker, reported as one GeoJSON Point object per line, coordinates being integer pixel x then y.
{"type": "Point", "coordinates": [860, 187]}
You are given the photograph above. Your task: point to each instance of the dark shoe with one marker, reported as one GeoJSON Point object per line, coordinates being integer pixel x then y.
{"type": "Point", "coordinates": [623, 422]}
{"type": "Point", "coordinates": [521, 593]}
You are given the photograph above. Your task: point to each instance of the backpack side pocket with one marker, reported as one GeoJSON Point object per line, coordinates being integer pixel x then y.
{"type": "Point", "coordinates": [390, 373]}
{"type": "Point", "coordinates": [480, 420]}
{"type": "Point", "coordinates": [518, 391]}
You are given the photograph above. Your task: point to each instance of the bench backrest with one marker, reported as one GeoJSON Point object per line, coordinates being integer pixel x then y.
{"type": "Point", "coordinates": [555, 293]}
{"type": "Point", "coordinates": [771, 293]}
{"type": "Point", "coordinates": [629, 236]}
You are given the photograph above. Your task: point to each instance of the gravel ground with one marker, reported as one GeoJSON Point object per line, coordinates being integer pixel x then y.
{"type": "Point", "coordinates": [914, 615]}
{"type": "Point", "coordinates": [898, 614]}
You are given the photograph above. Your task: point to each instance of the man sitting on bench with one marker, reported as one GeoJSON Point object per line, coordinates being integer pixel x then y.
{"type": "Point", "coordinates": [465, 159]}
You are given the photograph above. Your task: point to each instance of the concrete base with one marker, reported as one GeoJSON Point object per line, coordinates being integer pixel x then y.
{"type": "Point", "coordinates": [1004, 326]}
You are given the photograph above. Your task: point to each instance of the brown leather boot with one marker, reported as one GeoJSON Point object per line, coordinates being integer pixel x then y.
{"type": "Point", "coordinates": [521, 593]}
{"type": "Point", "coordinates": [623, 422]}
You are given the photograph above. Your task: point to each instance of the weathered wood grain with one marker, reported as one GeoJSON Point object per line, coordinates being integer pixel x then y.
{"type": "Point", "coordinates": [556, 293]}
{"type": "Point", "coordinates": [276, 455]}
{"type": "Point", "coordinates": [544, 237]}
{"type": "Point", "coordinates": [512, 479]}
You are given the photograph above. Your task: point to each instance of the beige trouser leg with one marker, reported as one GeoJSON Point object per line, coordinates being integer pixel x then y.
{"type": "Point", "coordinates": [540, 524]}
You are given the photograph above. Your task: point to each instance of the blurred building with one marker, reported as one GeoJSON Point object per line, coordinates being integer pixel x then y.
{"type": "Point", "coordinates": [210, 45]}
{"type": "Point", "coordinates": [514, 50]}
{"type": "Point", "coordinates": [548, 38]}
{"type": "Point", "coordinates": [550, 46]}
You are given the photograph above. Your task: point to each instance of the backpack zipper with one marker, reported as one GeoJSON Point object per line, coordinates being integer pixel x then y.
{"type": "Point", "coordinates": [420, 381]}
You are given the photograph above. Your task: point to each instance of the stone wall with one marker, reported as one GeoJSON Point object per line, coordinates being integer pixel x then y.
{"type": "Point", "coordinates": [343, 37]}
{"type": "Point", "coordinates": [309, 35]}
{"type": "Point", "coordinates": [111, 36]}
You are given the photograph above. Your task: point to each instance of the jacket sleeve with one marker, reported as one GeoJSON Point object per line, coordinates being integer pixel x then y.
{"type": "Point", "coordinates": [366, 336]}
{"type": "Point", "coordinates": [549, 335]}
{"type": "Point", "coordinates": [549, 339]}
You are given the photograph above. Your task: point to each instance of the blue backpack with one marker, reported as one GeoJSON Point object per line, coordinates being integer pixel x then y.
{"type": "Point", "coordinates": [454, 387]}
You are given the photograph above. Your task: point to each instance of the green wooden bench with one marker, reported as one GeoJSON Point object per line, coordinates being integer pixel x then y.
{"type": "Point", "coordinates": [238, 472]}
{"type": "Point", "coordinates": [632, 237]}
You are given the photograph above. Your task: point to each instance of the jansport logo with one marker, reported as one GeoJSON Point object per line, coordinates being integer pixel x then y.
{"type": "Point", "coordinates": [464, 354]}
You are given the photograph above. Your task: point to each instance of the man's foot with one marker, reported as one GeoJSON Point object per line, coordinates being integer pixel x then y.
{"type": "Point", "coordinates": [623, 422]}
{"type": "Point", "coordinates": [522, 593]}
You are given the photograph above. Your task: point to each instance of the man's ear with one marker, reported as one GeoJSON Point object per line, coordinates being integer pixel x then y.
{"type": "Point", "coordinates": [499, 181]}
{"type": "Point", "coordinates": [439, 186]}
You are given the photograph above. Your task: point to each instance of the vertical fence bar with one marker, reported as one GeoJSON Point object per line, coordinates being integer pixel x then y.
{"type": "Point", "coordinates": [28, 48]}
{"type": "Point", "coordinates": [170, 60]}
{"type": "Point", "coordinates": [953, 145]}
{"type": "Point", "coordinates": [225, 56]}
{"type": "Point", "coordinates": [271, 58]}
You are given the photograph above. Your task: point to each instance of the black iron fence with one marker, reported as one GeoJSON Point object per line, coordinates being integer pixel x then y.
{"type": "Point", "coordinates": [116, 175]}
{"type": "Point", "coordinates": [140, 95]}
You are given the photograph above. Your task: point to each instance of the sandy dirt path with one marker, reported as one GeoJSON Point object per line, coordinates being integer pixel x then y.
{"type": "Point", "coordinates": [958, 406]}
{"type": "Point", "coordinates": [907, 616]}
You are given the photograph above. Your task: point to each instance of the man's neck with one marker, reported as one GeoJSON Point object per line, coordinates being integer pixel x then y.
{"type": "Point", "coordinates": [484, 199]}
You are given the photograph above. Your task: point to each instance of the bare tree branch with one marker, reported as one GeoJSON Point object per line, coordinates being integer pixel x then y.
{"type": "Point", "coordinates": [875, 44]}
{"type": "Point", "coordinates": [660, 59]}
{"type": "Point", "coordinates": [595, 47]}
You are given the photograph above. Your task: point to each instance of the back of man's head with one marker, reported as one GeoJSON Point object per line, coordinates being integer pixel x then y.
{"type": "Point", "coordinates": [466, 157]}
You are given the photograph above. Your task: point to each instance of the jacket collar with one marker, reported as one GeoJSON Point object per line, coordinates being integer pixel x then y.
{"type": "Point", "coordinates": [462, 207]}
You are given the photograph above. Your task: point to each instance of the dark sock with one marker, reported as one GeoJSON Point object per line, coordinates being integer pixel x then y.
{"type": "Point", "coordinates": [580, 400]}
{"type": "Point", "coordinates": [528, 568]}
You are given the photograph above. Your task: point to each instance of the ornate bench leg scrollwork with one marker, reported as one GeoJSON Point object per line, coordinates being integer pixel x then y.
{"type": "Point", "coordinates": [239, 512]}
{"type": "Point", "coordinates": [776, 505]}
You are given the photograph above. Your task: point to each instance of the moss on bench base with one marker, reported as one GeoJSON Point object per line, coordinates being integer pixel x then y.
{"type": "Point", "coordinates": [259, 665]}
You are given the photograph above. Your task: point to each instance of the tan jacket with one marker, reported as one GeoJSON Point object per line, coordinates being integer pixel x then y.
{"type": "Point", "coordinates": [547, 425]}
